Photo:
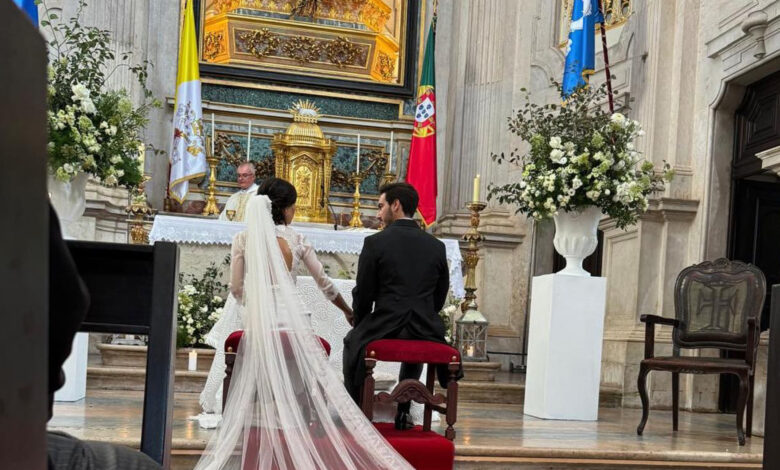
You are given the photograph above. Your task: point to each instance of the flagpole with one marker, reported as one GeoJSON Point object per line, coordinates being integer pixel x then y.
{"type": "Point", "coordinates": [606, 58]}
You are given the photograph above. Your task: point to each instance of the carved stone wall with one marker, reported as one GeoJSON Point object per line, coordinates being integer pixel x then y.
{"type": "Point", "coordinates": [683, 66]}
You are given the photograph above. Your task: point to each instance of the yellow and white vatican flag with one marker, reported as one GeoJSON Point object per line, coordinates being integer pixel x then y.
{"type": "Point", "coordinates": [188, 157]}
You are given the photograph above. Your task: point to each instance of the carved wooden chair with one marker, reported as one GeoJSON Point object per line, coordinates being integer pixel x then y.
{"type": "Point", "coordinates": [421, 447]}
{"type": "Point", "coordinates": [231, 349]}
{"type": "Point", "coordinates": [717, 305]}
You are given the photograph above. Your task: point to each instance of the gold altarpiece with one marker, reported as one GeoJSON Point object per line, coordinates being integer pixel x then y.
{"type": "Point", "coordinates": [303, 156]}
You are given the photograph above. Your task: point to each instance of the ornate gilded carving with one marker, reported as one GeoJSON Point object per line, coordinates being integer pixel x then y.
{"type": "Point", "coordinates": [302, 49]}
{"type": "Point", "coordinates": [386, 67]}
{"type": "Point", "coordinates": [302, 179]}
{"type": "Point", "coordinates": [342, 51]}
{"type": "Point", "coordinates": [302, 155]}
{"type": "Point", "coordinates": [259, 43]}
{"type": "Point", "coordinates": [213, 44]}
{"type": "Point", "coordinates": [375, 15]}
{"type": "Point", "coordinates": [258, 33]}
{"type": "Point", "coordinates": [226, 6]}
{"type": "Point", "coordinates": [616, 12]}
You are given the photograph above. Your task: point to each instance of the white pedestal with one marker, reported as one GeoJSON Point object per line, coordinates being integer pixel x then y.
{"type": "Point", "coordinates": [75, 369]}
{"type": "Point", "coordinates": [564, 347]}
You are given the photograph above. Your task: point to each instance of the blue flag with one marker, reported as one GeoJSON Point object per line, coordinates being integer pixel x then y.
{"type": "Point", "coordinates": [30, 8]}
{"type": "Point", "coordinates": [581, 47]}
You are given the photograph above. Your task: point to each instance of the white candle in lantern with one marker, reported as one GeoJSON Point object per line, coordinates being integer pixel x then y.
{"type": "Point", "coordinates": [249, 141]}
{"type": "Point", "coordinates": [212, 134]}
{"type": "Point", "coordinates": [192, 363]}
{"type": "Point", "coordinates": [470, 351]}
{"type": "Point", "coordinates": [390, 156]}
{"type": "Point", "coordinates": [357, 166]}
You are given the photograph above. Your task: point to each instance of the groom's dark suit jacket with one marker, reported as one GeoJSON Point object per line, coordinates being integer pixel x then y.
{"type": "Point", "coordinates": [402, 284]}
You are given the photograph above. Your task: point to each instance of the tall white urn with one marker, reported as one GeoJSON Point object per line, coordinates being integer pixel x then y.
{"type": "Point", "coordinates": [68, 199]}
{"type": "Point", "coordinates": [576, 238]}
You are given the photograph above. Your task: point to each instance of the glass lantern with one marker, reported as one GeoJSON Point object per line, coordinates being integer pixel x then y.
{"type": "Point", "coordinates": [472, 334]}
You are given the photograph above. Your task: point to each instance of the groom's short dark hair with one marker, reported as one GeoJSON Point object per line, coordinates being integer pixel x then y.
{"type": "Point", "coordinates": [404, 193]}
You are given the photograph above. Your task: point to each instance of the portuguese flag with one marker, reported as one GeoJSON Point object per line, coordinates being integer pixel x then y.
{"type": "Point", "coordinates": [421, 170]}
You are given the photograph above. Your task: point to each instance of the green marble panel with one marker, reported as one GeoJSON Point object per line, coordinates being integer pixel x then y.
{"type": "Point", "coordinates": [282, 100]}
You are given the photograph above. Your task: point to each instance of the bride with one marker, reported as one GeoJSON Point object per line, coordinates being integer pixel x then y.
{"type": "Point", "coordinates": [296, 250]}
{"type": "Point", "coordinates": [286, 407]}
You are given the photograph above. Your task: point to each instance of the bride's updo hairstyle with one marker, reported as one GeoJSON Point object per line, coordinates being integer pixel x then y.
{"type": "Point", "coordinates": [282, 195]}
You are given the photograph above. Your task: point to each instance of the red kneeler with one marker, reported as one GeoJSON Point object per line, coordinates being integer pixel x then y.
{"type": "Point", "coordinates": [231, 348]}
{"type": "Point", "coordinates": [421, 447]}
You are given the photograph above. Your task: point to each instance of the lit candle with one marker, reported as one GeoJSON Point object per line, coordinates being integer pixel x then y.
{"type": "Point", "coordinates": [470, 351]}
{"type": "Point", "coordinates": [141, 156]}
{"type": "Point", "coordinates": [390, 154]}
{"type": "Point", "coordinates": [357, 170]}
{"type": "Point", "coordinates": [249, 141]}
{"type": "Point", "coordinates": [192, 363]}
{"type": "Point", "coordinates": [476, 189]}
{"type": "Point", "coordinates": [212, 134]}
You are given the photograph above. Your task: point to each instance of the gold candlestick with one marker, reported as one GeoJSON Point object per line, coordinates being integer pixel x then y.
{"type": "Point", "coordinates": [139, 210]}
{"type": "Point", "coordinates": [388, 178]}
{"type": "Point", "coordinates": [211, 203]}
{"type": "Point", "coordinates": [471, 258]}
{"type": "Point", "coordinates": [356, 222]}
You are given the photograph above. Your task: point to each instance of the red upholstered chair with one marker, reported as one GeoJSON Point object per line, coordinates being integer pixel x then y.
{"type": "Point", "coordinates": [231, 347]}
{"type": "Point", "coordinates": [416, 352]}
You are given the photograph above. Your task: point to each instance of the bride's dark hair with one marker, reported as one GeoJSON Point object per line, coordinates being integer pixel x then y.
{"type": "Point", "coordinates": [282, 195]}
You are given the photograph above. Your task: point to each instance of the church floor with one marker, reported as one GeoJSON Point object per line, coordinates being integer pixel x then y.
{"type": "Point", "coordinates": [490, 436]}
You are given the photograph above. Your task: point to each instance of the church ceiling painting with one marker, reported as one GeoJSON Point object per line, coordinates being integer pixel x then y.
{"type": "Point", "coordinates": [359, 45]}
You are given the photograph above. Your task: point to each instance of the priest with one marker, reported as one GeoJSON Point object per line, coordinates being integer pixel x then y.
{"type": "Point", "coordinates": [236, 205]}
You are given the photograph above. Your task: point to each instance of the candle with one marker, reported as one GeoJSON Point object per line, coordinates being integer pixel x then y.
{"type": "Point", "coordinates": [357, 170]}
{"type": "Point", "coordinates": [192, 363]}
{"type": "Point", "coordinates": [212, 134]}
{"type": "Point", "coordinates": [249, 141]}
{"type": "Point", "coordinates": [141, 156]}
{"type": "Point", "coordinates": [470, 351]}
{"type": "Point", "coordinates": [390, 155]}
{"type": "Point", "coordinates": [476, 189]}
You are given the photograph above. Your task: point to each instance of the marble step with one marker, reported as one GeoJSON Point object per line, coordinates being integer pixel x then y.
{"type": "Point", "coordinates": [134, 378]}
{"type": "Point", "coordinates": [514, 393]}
{"type": "Point", "coordinates": [117, 355]}
{"type": "Point", "coordinates": [480, 371]}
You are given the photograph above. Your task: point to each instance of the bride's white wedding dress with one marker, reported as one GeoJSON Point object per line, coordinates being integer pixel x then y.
{"type": "Point", "coordinates": [286, 408]}
{"type": "Point", "coordinates": [303, 255]}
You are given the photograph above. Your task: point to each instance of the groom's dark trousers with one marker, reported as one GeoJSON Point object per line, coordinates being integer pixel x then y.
{"type": "Point", "coordinates": [402, 284]}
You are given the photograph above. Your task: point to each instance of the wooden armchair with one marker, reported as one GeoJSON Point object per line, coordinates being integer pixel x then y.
{"type": "Point", "coordinates": [717, 305]}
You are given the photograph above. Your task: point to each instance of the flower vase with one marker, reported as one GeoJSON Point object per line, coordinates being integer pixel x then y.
{"type": "Point", "coordinates": [576, 238]}
{"type": "Point", "coordinates": [68, 199]}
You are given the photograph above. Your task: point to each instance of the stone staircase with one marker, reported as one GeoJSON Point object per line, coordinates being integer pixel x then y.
{"type": "Point", "coordinates": [120, 367]}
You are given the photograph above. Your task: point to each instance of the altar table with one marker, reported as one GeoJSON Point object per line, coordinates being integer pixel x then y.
{"type": "Point", "coordinates": [200, 236]}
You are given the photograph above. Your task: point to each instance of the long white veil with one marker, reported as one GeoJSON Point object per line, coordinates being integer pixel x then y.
{"type": "Point", "coordinates": [286, 408]}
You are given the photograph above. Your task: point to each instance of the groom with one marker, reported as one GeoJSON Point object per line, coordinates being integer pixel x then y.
{"type": "Point", "coordinates": [402, 283]}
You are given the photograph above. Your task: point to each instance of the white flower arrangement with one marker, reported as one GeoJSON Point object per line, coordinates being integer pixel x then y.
{"type": "Point", "coordinates": [447, 315]}
{"type": "Point", "coordinates": [200, 305]}
{"type": "Point", "coordinates": [579, 155]}
{"type": "Point", "coordinates": [92, 129]}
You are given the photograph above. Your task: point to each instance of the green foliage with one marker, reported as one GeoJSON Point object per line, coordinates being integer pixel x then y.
{"type": "Point", "coordinates": [201, 303]}
{"type": "Point", "coordinates": [578, 155]}
{"type": "Point", "coordinates": [93, 129]}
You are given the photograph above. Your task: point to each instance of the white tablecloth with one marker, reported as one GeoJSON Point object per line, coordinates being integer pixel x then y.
{"type": "Point", "coordinates": [216, 232]}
